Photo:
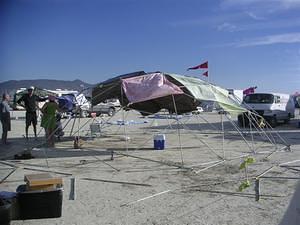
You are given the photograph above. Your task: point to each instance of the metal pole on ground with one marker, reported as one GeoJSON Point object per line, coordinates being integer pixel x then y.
{"type": "Point", "coordinates": [178, 130]}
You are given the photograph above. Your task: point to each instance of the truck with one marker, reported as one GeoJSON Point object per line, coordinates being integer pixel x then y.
{"type": "Point", "coordinates": [273, 107]}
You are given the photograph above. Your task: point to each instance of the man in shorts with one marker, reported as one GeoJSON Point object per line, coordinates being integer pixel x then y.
{"type": "Point", "coordinates": [30, 104]}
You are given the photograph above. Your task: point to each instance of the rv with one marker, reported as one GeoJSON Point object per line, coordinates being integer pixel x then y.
{"type": "Point", "coordinates": [273, 107]}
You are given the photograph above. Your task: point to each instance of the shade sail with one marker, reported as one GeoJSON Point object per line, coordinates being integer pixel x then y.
{"type": "Point", "coordinates": [202, 90]}
{"type": "Point", "coordinates": [112, 88]}
{"type": "Point", "coordinates": [148, 87]}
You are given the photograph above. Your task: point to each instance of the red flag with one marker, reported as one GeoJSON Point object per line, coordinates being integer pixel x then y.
{"type": "Point", "coordinates": [249, 90]}
{"type": "Point", "coordinates": [205, 74]}
{"type": "Point", "coordinates": [201, 66]}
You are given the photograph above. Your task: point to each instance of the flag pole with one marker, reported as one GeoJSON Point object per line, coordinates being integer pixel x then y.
{"type": "Point", "coordinates": [208, 72]}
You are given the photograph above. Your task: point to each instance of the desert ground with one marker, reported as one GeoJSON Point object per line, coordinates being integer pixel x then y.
{"type": "Point", "coordinates": [121, 179]}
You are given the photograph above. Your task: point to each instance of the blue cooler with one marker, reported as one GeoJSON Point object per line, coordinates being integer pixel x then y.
{"type": "Point", "coordinates": [159, 141]}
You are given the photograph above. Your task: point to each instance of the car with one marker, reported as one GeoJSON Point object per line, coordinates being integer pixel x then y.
{"type": "Point", "coordinates": [198, 110]}
{"type": "Point", "coordinates": [108, 107]}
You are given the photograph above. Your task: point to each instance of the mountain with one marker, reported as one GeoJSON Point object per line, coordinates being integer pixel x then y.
{"type": "Point", "coordinates": [12, 85]}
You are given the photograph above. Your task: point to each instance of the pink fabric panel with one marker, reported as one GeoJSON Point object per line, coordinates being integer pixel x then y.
{"type": "Point", "coordinates": [150, 86]}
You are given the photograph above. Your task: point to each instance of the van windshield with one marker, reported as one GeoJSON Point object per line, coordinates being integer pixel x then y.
{"type": "Point", "coordinates": [259, 98]}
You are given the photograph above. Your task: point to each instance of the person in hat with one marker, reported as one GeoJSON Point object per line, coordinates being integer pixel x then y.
{"type": "Point", "coordinates": [29, 102]}
{"type": "Point", "coordinates": [49, 119]}
{"type": "Point", "coordinates": [5, 117]}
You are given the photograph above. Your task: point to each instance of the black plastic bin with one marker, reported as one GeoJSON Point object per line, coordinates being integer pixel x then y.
{"type": "Point", "coordinates": [8, 207]}
{"type": "Point", "coordinates": [39, 204]}
{"type": "Point", "coordinates": [5, 212]}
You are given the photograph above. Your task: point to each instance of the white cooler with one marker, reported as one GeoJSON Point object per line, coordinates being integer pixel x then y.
{"type": "Point", "coordinates": [159, 141]}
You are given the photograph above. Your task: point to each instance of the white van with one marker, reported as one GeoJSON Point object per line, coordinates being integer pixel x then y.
{"type": "Point", "coordinates": [273, 107]}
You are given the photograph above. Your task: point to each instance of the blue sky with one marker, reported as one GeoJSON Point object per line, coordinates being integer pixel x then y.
{"type": "Point", "coordinates": [246, 42]}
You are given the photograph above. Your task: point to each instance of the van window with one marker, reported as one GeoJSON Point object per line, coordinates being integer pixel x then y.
{"type": "Point", "coordinates": [259, 98]}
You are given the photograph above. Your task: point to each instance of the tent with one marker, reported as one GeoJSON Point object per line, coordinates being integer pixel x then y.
{"type": "Point", "coordinates": [66, 103]}
{"type": "Point", "coordinates": [151, 92]}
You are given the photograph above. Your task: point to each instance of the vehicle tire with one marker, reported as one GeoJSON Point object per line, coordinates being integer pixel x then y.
{"type": "Point", "coordinates": [111, 111]}
{"type": "Point", "coordinates": [273, 121]}
{"type": "Point", "coordinates": [288, 119]}
{"type": "Point", "coordinates": [243, 121]}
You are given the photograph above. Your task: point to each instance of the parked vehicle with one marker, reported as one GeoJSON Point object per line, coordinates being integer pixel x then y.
{"type": "Point", "coordinates": [108, 107]}
{"type": "Point", "coordinates": [273, 107]}
{"type": "Point", "coordinates": [198, 110]}
{"type": "Point", "coordinates": [82, 105]}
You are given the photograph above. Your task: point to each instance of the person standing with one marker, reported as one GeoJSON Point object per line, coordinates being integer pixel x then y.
{"type": "Point", "coordinates": [5, 117]}
{"type": "Point", "coordinates": [30, 104]}
{"type": "Point", "coordinates": [49, 119]}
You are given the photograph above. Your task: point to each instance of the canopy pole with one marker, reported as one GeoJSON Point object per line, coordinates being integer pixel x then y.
{"type": "Point", "coordinates": [79, 113]}
{"type": "Point", "coordinates": [169, 117]}
{"type": "Point", "coordinates": [252, 139]}
{"type": "Point", "coordinates": [81, 127]}
{"type": "Point", "coordinates": [269, 127]}
{"type": "Point", "coordinates": [178, 130]}
{"type": "Point", "coordinates": [223, 135]}
{"type": "Point", "coordinates": [277, 134]}
{"type": "Point", "coordinates": [44, 151]}
{"type": "Point", "coordinates": [240, 132]}
{"type": "Point", "coordinates": [123, 118]}
{"type": "Point", "coordinates": [72, 126]}
{"type": "Point", "coordinates": [207, 145]}
{"type": "Point", "coordinates": [78, 124]}
{"type": "Point", "coordinates": [259, 129]}
{"type": "Point", "coordinates": [273, 141]}
{"type": "Point", "coordinates": [207, 122]}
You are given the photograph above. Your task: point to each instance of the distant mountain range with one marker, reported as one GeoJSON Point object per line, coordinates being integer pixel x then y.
{"type": "Point", "coordinates": [12, 85]}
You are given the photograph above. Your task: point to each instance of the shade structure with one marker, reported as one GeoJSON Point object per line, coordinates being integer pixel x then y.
{"type": "Point", "coordinates": [111, 88]}
{"type": "Point", "coordinates": [151, 92]}
{"type": "Point", "coordinates": [37, 91]}
{"type": "Point", "coordinates": [204, 91]}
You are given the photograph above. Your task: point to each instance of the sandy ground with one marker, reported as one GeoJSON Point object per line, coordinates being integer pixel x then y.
{"type": "Point", "coordinates": [147, 186]}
